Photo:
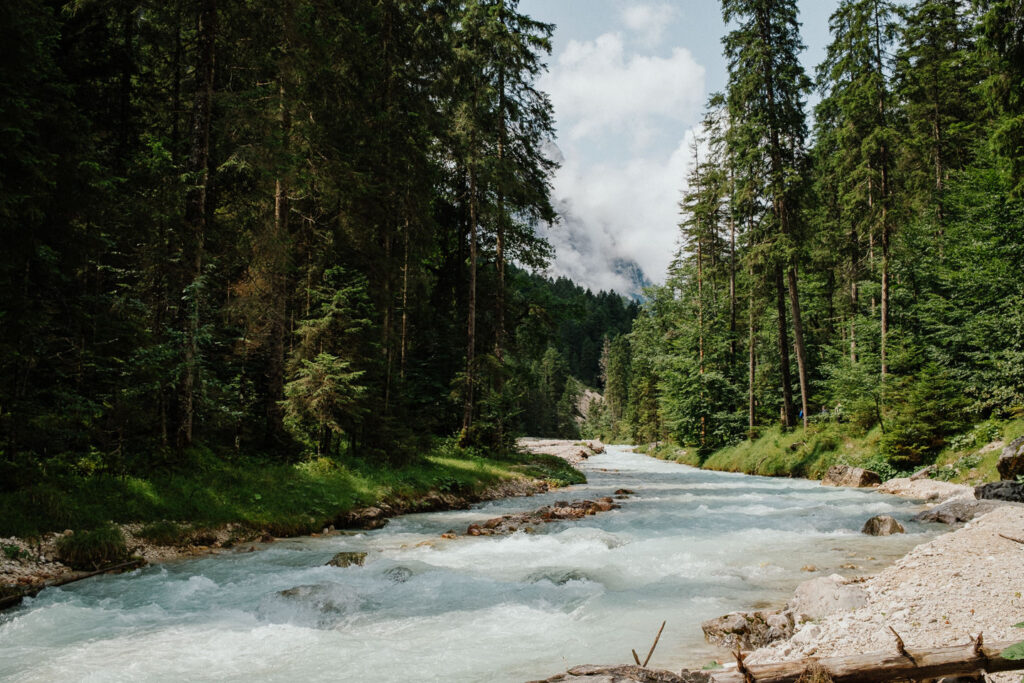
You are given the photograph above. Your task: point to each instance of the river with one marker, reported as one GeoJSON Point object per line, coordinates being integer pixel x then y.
{"type": "Point", "coordinates": [689, 545]}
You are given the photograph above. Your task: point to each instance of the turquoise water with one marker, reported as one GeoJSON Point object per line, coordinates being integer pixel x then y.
{"type": "Point", "coordinates": [688, 546]}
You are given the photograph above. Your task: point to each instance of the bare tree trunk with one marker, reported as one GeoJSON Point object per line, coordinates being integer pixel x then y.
{"type": "Point", "coordinates": [467, 414]}
{"type": "Point", "coordinates": [798, 341]}
{"type": "Point", "coordinates": [195, 218]}
{"type": "Point", "coordinates": [787, 389]}
{"type": "Point", "coordinates": [277, 257]}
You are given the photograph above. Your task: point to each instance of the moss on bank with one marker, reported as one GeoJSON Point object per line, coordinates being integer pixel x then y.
{"type": "Point", "coordinates": [300, 497]}
{"type": "Point", "coordinates": [809, 453]}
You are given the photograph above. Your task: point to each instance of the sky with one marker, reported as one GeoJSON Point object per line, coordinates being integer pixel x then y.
{"type": "Point", "coordinates": [629, 80]}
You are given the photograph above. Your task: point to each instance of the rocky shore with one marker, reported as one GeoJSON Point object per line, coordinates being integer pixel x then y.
{"type": "Point", "coordinates": [945, 592]}
{"type": "Point", "coordinates": [28, 566]}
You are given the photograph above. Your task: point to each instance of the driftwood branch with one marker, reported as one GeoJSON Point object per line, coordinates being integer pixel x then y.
{"type": "Point", "coordinates": [878, 667]}
{"type": "Point", "coordinates": [1011, 538]}
{"type": "Point", "coordinates": [654, 645]}
{"type": "Point", "coordinates": [636, 657]}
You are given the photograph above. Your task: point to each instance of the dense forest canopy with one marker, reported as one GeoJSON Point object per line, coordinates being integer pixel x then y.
{"type": "Point", "coordinates": [313, 228]}
{"type": "Point", "coordinates": [279, 229]}
{"type": "Point", "coordinates": [883, 250]}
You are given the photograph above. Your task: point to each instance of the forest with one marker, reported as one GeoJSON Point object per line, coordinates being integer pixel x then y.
{"type": "Point", "coordinates": [257, 233]}
{"type": "Point", "coordinates": [861, 264]}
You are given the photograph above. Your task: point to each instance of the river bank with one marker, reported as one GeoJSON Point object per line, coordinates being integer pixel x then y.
{"type": "Point", "coordinates": [28, 564]}
{"type": "Point", "coordinates": [947, 591]}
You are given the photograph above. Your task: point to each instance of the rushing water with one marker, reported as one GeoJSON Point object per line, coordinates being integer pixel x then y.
{"type": "Point", "coordinates": [688, 546]}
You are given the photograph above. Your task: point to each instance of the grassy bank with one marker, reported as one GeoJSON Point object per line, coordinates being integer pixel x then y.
{"type": "Point", "coordinates": [809, 453]}
{"type": "Point", "coordinates": [286, 499]}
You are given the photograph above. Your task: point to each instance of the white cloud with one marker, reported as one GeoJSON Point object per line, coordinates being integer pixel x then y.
{"type": "Point", "coordinates": [597, 89]}
{"type": "Point", "coordinates": [625, 119]}
{"type": "Point", "coordinates": [649, 21]}
{"type": "Point", "coordinates": [613, 212]}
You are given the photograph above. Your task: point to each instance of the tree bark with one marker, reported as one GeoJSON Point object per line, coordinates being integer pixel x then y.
{"type": "Point", "coordinates": [195, 218]}
{"type": "Point", "coordinates": [467, 411]}
{"type": "Point", "coordinates": [877, 667]}
{"type": "Point", "coordinates": [787, 380]}
{"type": "Point", "coordinates": [798, 341]}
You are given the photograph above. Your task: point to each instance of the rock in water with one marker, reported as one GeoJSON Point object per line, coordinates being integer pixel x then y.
{"type": "Point", "coordinates": [1011, 460]}
{"type": "Point", "coordinates": [748, 630]}
{"type": "Point", "coordinates": [882, 525]}
{"type": "Point", "coordinates": [347, 559]}
{"type": "Point", "coordinates": [844, 475]}
{"type": "Point", "coordinates": [957, 510]}
{"type": "Point", "coordinates": [1001, 490]}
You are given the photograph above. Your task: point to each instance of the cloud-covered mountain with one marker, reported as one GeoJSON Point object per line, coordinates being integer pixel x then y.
{"type": "Point", "coordinates": [591, 256]}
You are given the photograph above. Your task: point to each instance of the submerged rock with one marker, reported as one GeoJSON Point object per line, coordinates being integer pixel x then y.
{"type": "Point", "coordinates": [347, 558]}
{"type": "Point", "coordinates": [844, 475]}
{"type": "Point", "coordinates": [748, 630]}
{"type": "Point", "coordinates": [1001, 490]}
{"type": "Point", "coordinates": [561, 511]}
{"type": "Point", "coordinates": [1011, 460]}
{"type": "Point", "coordinates": [882, 525]}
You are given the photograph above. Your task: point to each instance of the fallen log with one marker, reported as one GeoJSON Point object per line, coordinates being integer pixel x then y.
{"type": "Point", "coordinates": [906, 663]}
{"type": "Point", "coordinates": [13, 600]}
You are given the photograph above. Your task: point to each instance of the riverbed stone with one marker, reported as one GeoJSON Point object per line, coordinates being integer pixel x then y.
{"type": "Point", "coordinates": [1011, 461]}
{"type": "Point", "coordinates": [826, 595]}
{"type": "Point", "coordinates": [347, 558]}
{"type": "Point", "coordinates": [844, 475]}
{"type": "Point", "coordinates": [748, 630]}
{"type": "Point", "coordinates": [590, 673]}
{"type": "Point", "coordinates": [882, 525]}
{"type": "Point", "coordinates": [957, 511]}
{"type": "Point", "coordinates": [1011, 491]}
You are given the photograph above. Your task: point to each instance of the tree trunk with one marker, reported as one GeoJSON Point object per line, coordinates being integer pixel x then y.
{"type": "Point", "coordinates": [878, 667]}
{"type": "Point", "coordinates": [752, 357]}
{"type": "Point", "coordinates": [787, 388]}
{"type": "Point", "coordinates": [467, 413]}
{"type": "Point", "coordinates": [195, 218]}
{"type": "Point", "coordinates": [278, 277]}
{"type": "Point", "coordinates": [798, 341]}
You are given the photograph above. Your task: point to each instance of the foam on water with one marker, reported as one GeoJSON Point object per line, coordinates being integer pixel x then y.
{"type": "Point", "coordinates": [688, 546]}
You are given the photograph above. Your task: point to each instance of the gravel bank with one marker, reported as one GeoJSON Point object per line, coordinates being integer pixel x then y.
{"type": "Point", "coordinates": [943, 592]}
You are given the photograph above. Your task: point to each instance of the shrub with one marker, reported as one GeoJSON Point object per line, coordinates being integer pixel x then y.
{"type": "Point", "coordinates": [92, 549]}
{"type": "Point", "coordinates": [166, 533]}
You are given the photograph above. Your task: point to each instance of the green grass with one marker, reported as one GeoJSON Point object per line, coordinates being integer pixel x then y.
{"type": "Point", "coordinates": [809, 453]}
{"type": "Point", "coordinates": [961, 462]}
{"type": "Point", "coordinates": [285, 499]}
{"type": "Point", "coordinates": [93, 548]}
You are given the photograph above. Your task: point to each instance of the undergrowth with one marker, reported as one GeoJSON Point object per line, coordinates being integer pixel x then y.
{"type": "Point", "coordinates": [968, 458]}
{"type": "Point", "coordinates": [93, 548]}
{"type": "Point", "coordinates": [284, 499]}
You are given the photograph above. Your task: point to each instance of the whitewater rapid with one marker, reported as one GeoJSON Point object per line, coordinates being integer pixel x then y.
{"type": "Point", "coordinates": [689, 545]}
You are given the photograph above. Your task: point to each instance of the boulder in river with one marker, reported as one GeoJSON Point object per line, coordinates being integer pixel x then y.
{"type": "Point", "coordinates": [748, 630]}
{"type": "Point", "coordinates": [957, 510]}
{"type": "Point", "coordinates": [826, 595]}
{"type": "Point", "coordinates": [347, 558]}
{"type": "Point", "coordinates": [844, 475]}
{"type": "Point", "coordinates": [1011, 460]}
{"type": "Point", "coordinates": [1001, 490]}
{"type": "Point", "coordinates": [882, 525]}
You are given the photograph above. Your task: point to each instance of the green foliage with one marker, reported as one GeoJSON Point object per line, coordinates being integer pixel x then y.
{"type": "Point", "coordinates": [164, 532]}
{"type": "Point", "coordinates": [92, 549]}
{"type": "Point", "coordinates": [931, 408]}
{"type": "Point", "coordinates": [15, 553]}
